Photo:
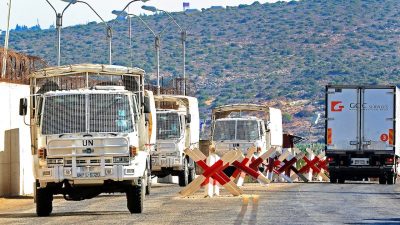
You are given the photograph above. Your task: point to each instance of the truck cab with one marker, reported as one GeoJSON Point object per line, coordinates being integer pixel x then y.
{"type": "Point", "coordinates": [177, 129]}
{"type": "Point", "coordinates": [242, 126]}
{"type": "Point", "coordinates": [90, 134]}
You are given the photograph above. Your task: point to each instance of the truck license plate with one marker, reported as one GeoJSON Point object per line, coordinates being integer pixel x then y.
{"type": "Point", "coordinates": [89, 174]}
{"type": "Point", "coordinates": [359, 161]}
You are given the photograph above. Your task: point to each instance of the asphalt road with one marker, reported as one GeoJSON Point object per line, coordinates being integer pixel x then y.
{"type": "Point", "coordinates": [312, 203]}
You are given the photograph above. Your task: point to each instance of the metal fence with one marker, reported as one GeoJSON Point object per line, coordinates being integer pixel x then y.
{"type": "Point", "coordinates": [19, 66]}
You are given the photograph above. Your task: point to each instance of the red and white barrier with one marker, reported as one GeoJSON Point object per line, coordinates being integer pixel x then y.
{"type": "Point", "coordinates": [212, 186]}
{"type": "Point", "coordinates": [214, 171]}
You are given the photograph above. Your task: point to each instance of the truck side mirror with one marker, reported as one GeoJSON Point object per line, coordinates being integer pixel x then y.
{"type": "Point", "coordinates": [146, 105]}
{"type": "Point", "coordinates": [267, 126]}
{"type": "Point", "coordinates": [188, 118]}
{"type": "Point", "coordinates": [23, 106]}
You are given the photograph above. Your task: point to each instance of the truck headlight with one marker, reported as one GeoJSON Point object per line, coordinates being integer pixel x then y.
{"type": "Point", "coordinates": [129, 171]}
{"type": "Point", "coordinates": [46, 173]}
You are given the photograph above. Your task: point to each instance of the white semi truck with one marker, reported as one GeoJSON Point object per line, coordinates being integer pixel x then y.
{"type": "Point", "coordinates": [243, 126]}
{"type": "Point", "coordinates": [361, 132]}
{"type": "Point", "coordinates": [178, 128]}
{"type": "Point", "coordinates": [91, 132]}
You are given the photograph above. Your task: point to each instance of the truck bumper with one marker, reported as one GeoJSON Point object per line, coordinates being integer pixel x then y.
{"type": "Point", "coordinates": [360, 171]}
{"type": "Point", "coordinates": [87, 175]}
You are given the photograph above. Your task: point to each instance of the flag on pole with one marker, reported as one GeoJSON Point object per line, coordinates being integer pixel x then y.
{"type": "Point", "coordinates": [186, 5]}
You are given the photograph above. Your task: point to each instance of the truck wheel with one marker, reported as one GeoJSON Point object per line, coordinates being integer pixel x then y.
{"type": "Point", "coordinates": [135, 198]}
{"type": "Point", "coordinates": [44, 202]}
{"type": "Point", "coordinates": [341, 180]}
{"type": "Point", "coordinates": [184, 174]}
{"type": "Point", "coordinates": [192, 173]}
{"type": "Point", "coordinates": [148, 183]}
{"type": "Point", "coordinates": [391, 179]}
{"type": "Point", "coordinates": [332, 178]}
{"type": "Point", "coordinates": [382, 180]}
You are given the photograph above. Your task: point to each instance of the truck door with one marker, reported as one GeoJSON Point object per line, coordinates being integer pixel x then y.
{"type": "Point", "coordinates": [377, 127]}
{"type": "Point", "coordinates": [342, 123]}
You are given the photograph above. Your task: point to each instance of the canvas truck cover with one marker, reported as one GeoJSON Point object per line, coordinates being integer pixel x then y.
{"type": "Point", "coordinates": [361, 118]}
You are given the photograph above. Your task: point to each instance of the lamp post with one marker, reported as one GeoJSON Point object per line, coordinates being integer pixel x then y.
{"type": "Point", "coordinates": [183, 39]}
{"type": "Point", "coordinates": [59, 18]}
{"type": "Point", "coordinates": [157, 45]}
{"type": "Point", "coordinates": [157, 40]}
{"type": "Point", "coordinates": [3, 71]}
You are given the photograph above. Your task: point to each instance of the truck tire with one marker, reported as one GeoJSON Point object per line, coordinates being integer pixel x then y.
{"type": "Point", "coordinates": [135, 198]}
{"type": "Point", "coordinates": [184, 174]}
{"type": "Point", "coordinates": [332, 178]}
{"type": "Point", "coordinates": [192, 172]}
{"type": "Point", "coordinates": [44, 202]}
{"type": "Point", "coordinates": [148, 182]}
{"type": "Point", "coordinates": [341, 180]}
{"type": "Point", "coordinates": [391, 178]}
{"type": "Point", "coordinates": [382, 180]}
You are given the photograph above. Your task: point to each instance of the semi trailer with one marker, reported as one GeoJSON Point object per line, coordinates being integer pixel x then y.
{"type": "Point", "coordinates": [361, 132]}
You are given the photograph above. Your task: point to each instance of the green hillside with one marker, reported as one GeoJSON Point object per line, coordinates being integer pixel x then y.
{"type": "Point", "coordinates": [261, 52]}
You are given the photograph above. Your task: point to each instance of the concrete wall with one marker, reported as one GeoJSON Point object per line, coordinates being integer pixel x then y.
{"type": "Point", "coordinates": [16, 174]}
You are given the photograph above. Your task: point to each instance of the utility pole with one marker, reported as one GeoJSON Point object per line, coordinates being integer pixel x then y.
{"type": "Point", "coordinates": [4, 69]}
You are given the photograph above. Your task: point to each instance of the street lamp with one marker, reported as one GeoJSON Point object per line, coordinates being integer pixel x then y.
{"type": "Point", "coordinates": [59, 17]}
{"type": "Point", "coordinates": [156, 45]}
{"type": "Point", "coordinates": [157, 40]}
{"type": "Point", "coordinates": [183, 39]}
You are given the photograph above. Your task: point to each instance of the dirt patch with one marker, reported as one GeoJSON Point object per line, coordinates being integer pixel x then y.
{"type": "Point", "coordinates": [7, 204]}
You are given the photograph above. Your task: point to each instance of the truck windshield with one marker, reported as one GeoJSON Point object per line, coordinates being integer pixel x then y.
{"type": "Point", "coordinates": [80, 113]}
{"type": "Point", "coordinates": [168, 126]}
{"type": "Point", "coordinates": [236, 130]}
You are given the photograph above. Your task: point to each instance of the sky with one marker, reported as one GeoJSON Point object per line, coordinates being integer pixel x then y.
{"type": "Point", "coordinates": [32, 12]}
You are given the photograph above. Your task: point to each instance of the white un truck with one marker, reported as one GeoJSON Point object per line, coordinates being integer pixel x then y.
{"type": "Point", "coordinates": [90, 133]}
{"type": "Point", "coordinates": [361, 132]}
{"type": "Point", "coordinates": [243, 126]}
{"type": "Point", "coordinates": [178, 128]}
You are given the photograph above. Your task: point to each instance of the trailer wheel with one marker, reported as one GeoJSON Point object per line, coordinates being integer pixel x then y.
{"type": "Point", "coordinates": [391, 178]}
{"type": "Point", "coordinates": [184, 174]}
{"type": "Point", "coordinates": [135, 198]}
{"type": "Point", "coordinates": [382, 180]}
{"type": "Point", "coordinates": [44, 202]}
{"type": "Point", "coordinates": [332, 178]}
